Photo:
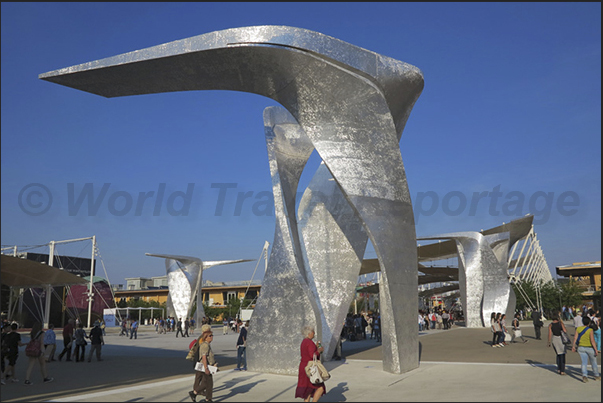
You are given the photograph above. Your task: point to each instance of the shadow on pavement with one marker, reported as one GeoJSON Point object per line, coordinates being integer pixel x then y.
{"type": "Point", "coordinates": [235, 388]}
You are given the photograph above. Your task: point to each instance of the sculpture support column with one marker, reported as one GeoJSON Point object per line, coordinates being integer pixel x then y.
{"type": "Point", "coordinates": [286, 302]}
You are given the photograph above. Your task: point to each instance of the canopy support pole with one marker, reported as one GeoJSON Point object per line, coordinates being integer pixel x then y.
{"type": "Point", "coordinates": [90, 294]}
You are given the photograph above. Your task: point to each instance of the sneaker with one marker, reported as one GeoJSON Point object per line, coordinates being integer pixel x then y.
{"type": "Point", "coordinates": [48, 379]}
{"type": "Point", "coordinates": [525, 341]}
{"type": "Point", "coordinates": [584, 379]}
{"type": "Point", "coordinates": [14, 380]}
{"type": "Point", "coordinates": [2, 382]}
{"type": "Point", "coordinates": [237, 369]}
{"type": "Point", "coordinates": [192, 396]}
{"type": "Point", "coordinates": [597, 378]}
{"type": "Point", "coordinates": [27, 382]}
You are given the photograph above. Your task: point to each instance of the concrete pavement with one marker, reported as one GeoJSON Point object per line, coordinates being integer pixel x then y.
{"type": "Point", "coordinates": [455, 365]}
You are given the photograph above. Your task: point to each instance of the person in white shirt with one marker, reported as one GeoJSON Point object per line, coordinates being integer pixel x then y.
{"type": "Point", "coordinates": [578, 320]}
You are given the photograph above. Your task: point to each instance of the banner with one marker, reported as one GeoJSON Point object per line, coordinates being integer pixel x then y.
{"type": "Point", "coordinates": [109, 317]}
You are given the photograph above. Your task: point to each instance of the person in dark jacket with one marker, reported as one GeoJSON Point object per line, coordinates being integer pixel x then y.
{"type": "Point", "coordinates": [96, 341]}
{"type": "Point", "coordinates": [241, 346]}
{"type": "Point", "coordinates": [537, 320]}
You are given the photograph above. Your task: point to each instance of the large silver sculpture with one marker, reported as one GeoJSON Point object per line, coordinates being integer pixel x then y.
{"type": "Point", "coordinates": [185, 279]}
{"type": "Point", "coordinates": [351, 103]}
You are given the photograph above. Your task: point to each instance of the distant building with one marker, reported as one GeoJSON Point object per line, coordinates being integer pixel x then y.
{"type": "Point", "coordinates": [588, 277]}
{"type": "Point", "coordinates": [215, 294]}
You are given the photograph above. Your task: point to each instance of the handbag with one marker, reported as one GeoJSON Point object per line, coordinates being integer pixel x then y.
{"type": "Point", "coordinates": [507, 337]}
{"type": "Point", "coordinates": [517, 332]}
{"type": "Point", "coordinates": [565, 338]}
{"type": "Point", "coordinates": [316, 371]}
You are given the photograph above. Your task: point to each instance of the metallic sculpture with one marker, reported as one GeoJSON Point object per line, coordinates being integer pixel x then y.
{"type": "Point", "coordinates": [333, 238]}
{"type": "Point", "coordinates": [473, 255]}
{"type": "Point", "coordinates": [351, 103]}
{"type": "Point", "coordinates": [483, 268]}
{"type": "Point", "coordinates": [185, 278]}
{"type": "Point", "coordinates": [286, 297]}
{"type": "Point", "coordinates": [335, 242]}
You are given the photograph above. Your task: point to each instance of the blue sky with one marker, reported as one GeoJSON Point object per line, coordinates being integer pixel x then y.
{"type": "Point", "coordinates": [511, 106]}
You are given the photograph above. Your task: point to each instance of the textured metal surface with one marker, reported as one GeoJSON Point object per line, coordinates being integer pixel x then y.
{"type": "Point", "coordinates": [517, 229]}
{"type": "Point", "coordinates": [185, 279]}
{"type": "Point", "coordinates": [335, 242]}
{"type": "Point", "coordinates": [483, 281]}
{"type": "Point", "coordinates": [286, 302]}
{"type": "Point", "coordinates": [498, 294]}
{"type": "Point", "coordinates": [352, 104]}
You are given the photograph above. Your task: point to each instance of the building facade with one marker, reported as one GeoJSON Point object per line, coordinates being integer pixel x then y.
{"type": "Point", "coordinates": [588, 277]}
{"type": "Point", "coordinates": [216, 294]}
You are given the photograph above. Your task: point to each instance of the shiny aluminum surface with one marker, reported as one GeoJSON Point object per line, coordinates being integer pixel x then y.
{"type": "Point", "coordinates": [185, 280]}
{"type": "Point", "coordinates": [286, 302]}
{"type": "Point", "coordinates": [483, 278]}
{"type": "Point", "coordinates": [351, 103]}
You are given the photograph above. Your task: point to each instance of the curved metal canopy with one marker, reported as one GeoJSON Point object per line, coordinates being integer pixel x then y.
{"type": "Point", "coordinates": [18, 272]}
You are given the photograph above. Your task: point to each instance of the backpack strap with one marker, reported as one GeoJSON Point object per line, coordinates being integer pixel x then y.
{"type": "Point", "coordinates": [581, 334]}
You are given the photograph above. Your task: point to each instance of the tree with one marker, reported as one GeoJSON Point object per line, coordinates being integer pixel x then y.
{"type": "Point", "coordinates": [527, 288]}
{"type": "Point", "coordinates": [213, 312]}
{"type": "Point", "coordinates": [571, 293]}
{"type": "Point", "coordinates": [549, 293]}
{"type": "Point", "coordinates": [552, 295]}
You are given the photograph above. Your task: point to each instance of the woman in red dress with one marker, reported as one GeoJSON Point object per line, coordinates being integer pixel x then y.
{"type": "Point", "coordinates": [305, 389]}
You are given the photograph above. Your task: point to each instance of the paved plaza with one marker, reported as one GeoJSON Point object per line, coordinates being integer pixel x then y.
{"type": "Point", "coordinates": [455, 365]}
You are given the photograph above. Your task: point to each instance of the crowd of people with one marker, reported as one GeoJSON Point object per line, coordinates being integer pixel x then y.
{"type": "Point", "coordinates": [41, 347]}
{"type": "Point", "coordinates": [586, 342]}
{"type": "Point", "coordinates": [436, 318]}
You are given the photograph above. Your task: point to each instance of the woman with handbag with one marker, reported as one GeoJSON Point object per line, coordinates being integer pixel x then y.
{"type": "Point", "coordinates": [36, 336]}
{"type": "Point", "coordinates": [555, 329]}
{"type": "Point", "coordinates": [517, 330]}
{"type": "Point", "coordinates": [306, 389]}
